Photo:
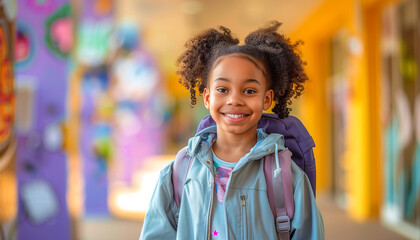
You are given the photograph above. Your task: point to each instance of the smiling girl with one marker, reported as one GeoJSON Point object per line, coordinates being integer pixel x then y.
{"type": "Point", "coordinates": [225, 192]}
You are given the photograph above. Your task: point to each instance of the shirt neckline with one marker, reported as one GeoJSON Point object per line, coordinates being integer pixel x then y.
{"type": "Point", "coordinates": [220, 163]}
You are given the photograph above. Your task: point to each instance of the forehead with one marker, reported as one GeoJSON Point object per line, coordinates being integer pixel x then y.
{"type": "Point", "coordinates": [243, 56]}
{"type": "Point", "coordinates": [235, 69]}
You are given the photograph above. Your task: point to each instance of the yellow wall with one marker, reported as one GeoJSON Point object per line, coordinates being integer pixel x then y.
{"type": "Point", "coordinates": [363, 153]}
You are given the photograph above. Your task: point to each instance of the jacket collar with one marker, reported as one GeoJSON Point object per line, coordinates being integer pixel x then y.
{"type": "Point", "coordinates": [200, 145]}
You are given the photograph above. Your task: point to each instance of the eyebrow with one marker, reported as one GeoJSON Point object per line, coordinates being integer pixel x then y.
{"type": "Point", "coordinates": [251, 80]}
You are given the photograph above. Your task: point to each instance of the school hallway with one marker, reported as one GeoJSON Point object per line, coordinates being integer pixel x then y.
{"type": "Point", "coordinates": [337, 226]}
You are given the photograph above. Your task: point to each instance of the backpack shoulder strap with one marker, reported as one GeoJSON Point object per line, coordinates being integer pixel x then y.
{"type": "Point", "coordinates": [280, 191]}
{"type": "Point", "coordinates": [180, 169]}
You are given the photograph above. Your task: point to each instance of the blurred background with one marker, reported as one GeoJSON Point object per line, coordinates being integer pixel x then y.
{"type": "Point", "coordinates": [91, 109]}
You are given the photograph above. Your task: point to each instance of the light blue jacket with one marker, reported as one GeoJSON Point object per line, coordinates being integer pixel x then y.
{"type": "Point", "coordinates": [254, 220]}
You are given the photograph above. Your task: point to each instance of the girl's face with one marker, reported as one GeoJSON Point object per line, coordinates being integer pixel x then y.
{"type": "Point", "coordinates": [237, 94]}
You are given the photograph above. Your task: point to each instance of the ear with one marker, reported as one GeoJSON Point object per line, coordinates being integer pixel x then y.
{"type": "Point", "coordinates": [268, 99]}
{"type": "Point", "coordinates": [206, 98]}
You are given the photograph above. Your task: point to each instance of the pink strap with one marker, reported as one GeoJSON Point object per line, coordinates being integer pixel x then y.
{"type": "Point", "coordinates": [180, 169]}
{"type": "Point", "coordinates": [286, 177]}
{"type": "Point", "coordinates": [280, 192]}
{"type": "Point", "coordinates": [286, 186]}
{"type": "Point", "coordinates": [268, 173]}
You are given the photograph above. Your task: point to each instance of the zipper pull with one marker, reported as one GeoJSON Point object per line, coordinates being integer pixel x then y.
{"type": "Point", "coordinates": [243, 200]}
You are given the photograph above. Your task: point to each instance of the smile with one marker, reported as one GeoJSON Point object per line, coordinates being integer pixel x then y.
{"type": "Point", "coordinates": [234, 115]}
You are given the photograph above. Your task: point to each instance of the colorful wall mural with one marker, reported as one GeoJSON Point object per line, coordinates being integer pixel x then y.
{"type": "Point", "coordinates": [120, 109]}
{"type": "Point", "coordinates": [41, 70]}
{"type": "Point", "coordinates": [138, 110]}
{"type": "Point", "coordinates": [401, 112]}
{"type": "Point", "coordinates": [95, 143]}
{"type": "Point", "coordinates": [8, 181]}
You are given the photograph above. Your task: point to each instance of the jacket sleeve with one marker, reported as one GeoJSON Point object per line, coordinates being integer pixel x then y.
{"type": "Point", "coordinates": [307, 222]}
{"type": "Point", "coordinates": [159, 222]}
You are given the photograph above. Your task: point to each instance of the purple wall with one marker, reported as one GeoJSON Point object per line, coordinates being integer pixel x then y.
{"type": "Point", "coordinates": [94, 32]}
{"type": "Point", "coordinates": [44, 30]}
{"type": "Point", "coordinates": [94, 144]}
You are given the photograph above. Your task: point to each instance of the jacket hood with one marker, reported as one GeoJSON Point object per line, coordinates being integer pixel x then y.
{"type": "Point", "coordinates": [200, 145]}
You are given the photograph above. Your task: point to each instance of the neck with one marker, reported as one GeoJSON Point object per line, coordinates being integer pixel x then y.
{"type": "Point", "coordinates": [232, 147]}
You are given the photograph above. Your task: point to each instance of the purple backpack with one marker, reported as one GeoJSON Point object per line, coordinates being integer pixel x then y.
{"type": "Point", "coordinates": [279, 190]}
{"type": "Point", "coordinates": [296, 137]}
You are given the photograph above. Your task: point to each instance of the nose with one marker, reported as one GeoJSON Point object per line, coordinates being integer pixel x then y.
{"type": "Point", "coordinates": [235, 98]}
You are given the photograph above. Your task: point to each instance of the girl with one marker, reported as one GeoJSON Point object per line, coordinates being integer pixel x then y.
{"type": "Point", "coordinates": [225, 192]}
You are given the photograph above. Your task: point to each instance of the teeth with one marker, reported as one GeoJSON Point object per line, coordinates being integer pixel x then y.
{"type": "Point", "coordinates": [234, 115]}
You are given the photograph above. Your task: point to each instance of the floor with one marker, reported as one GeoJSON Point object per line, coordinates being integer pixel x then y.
{"type": "Point", "coordinates": [107, 229]}
{"type": "Point", "coordinates": [337, 226]}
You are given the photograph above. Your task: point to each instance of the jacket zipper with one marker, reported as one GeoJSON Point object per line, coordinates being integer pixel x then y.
{"type": "Point", "coordinates": [211, 210]}
{"type": "Point", "coordinates": [244, 223]}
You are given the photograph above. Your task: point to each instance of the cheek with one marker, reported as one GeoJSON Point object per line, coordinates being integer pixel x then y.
{"type": "Point", "coordinates": [215, 100]}
{"type": "Point", "coordinates": [257, 105]}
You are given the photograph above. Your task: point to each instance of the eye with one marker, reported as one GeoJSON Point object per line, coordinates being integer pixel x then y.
{"type": "Point", "coordinates": [221, 90]}
{"type": "Point", "coordinates": [249, 91]}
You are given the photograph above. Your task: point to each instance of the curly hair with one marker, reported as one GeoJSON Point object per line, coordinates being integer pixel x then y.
{"type": "Point", "coordinates": [277, 54]}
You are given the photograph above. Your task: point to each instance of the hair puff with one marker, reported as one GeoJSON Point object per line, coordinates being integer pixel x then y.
{"type": "Point", "coordinates": [193, 62]}
{"type": "Point", "coordinates": [286, 66]}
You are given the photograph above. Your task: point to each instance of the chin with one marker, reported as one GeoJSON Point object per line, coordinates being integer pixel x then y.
{"type": "Point", "coordinates": [239, 130]}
